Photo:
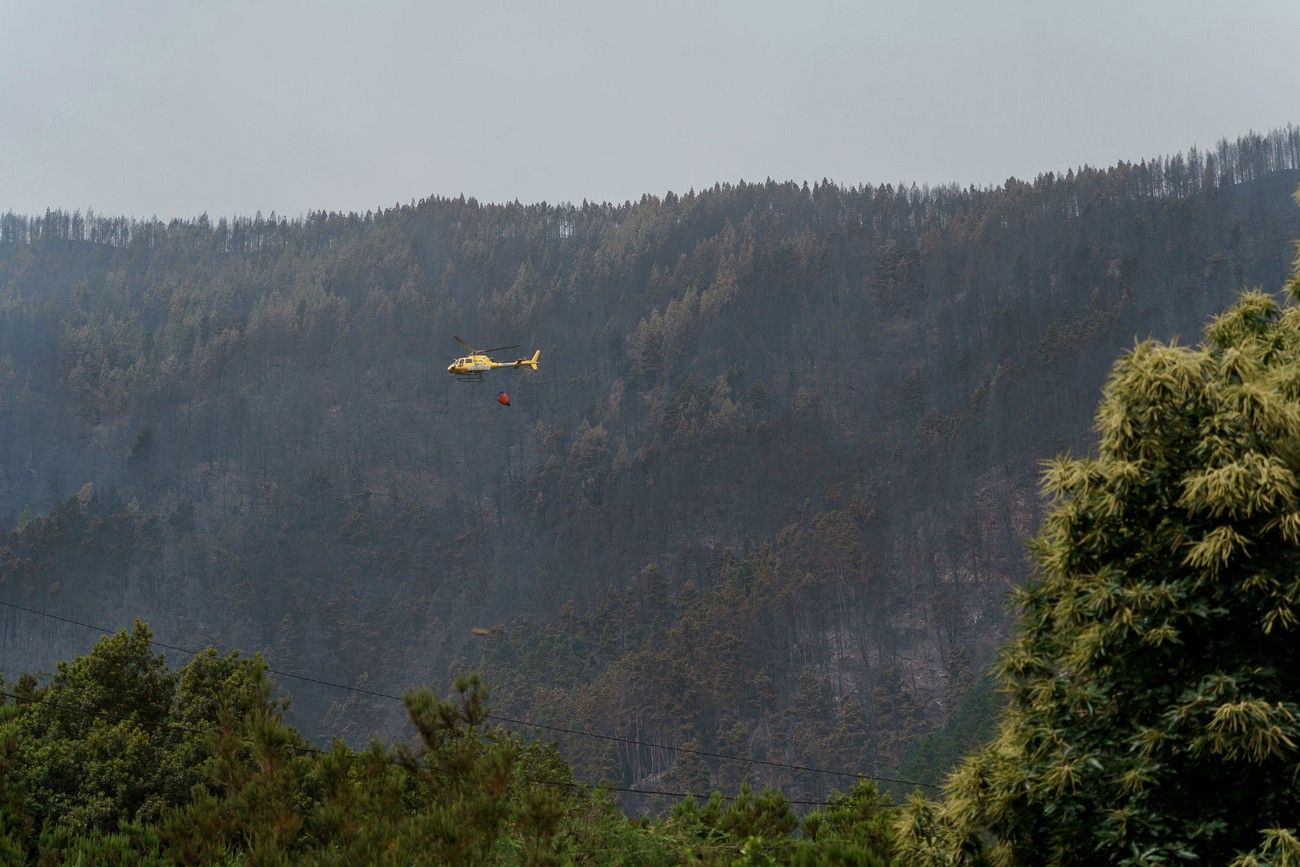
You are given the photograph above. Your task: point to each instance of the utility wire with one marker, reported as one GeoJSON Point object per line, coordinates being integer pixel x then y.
{"type": "Point", "coordinates": [506, 719]}
{"type": "Point", "coordinates": [192, 652]}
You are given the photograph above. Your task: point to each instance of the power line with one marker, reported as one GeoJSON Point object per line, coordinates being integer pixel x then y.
{"type": "Point", "coordinates": [191, 652]}
{"type": "Point", "coordinates": [510, 720]}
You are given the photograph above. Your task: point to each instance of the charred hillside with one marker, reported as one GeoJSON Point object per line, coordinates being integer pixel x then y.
{"type": "Point", "coordinates": [781, 454]}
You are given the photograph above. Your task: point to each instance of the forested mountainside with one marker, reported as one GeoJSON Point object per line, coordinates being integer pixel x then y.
{"type": "Point", "coordinates": [781, 456]}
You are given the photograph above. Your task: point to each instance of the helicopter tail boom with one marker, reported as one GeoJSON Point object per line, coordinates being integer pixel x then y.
{"type": "Point", "coordinates": [529, 362]}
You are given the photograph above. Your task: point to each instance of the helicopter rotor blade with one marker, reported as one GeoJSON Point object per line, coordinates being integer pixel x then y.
{"type": "Point", "coordinates": [462, 342]}
{"type": "Point", "coordinates": [498, 349]}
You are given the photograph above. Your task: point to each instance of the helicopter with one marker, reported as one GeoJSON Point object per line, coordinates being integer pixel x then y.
{"type": "Point", "coordinates": [477, 362]}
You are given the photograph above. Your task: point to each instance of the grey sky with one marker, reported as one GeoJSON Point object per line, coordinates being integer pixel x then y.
{"type": "Point", "coordinates": [176, 108]}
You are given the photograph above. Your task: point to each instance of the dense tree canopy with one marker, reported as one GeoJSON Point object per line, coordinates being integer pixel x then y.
{"type": "Point", "coordinates": [120, 759]}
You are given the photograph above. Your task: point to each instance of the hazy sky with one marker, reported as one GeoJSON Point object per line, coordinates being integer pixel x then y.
{"type": "Point", "coordinates": [176, 108]}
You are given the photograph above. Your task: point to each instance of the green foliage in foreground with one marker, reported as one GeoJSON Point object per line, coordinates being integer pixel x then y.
{"type": "Point", "coordinates": [970, 724]}
{"type": "Point", "coordinates": [1154, 684]}
{"type": "Point", "coordinates": [121, 760]}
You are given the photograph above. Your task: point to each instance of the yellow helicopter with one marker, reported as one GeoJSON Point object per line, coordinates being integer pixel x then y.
{"type": "Point", "coordinates": [477, 363]}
